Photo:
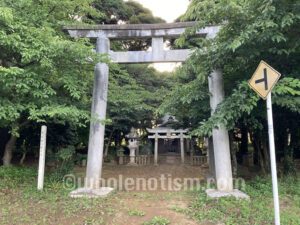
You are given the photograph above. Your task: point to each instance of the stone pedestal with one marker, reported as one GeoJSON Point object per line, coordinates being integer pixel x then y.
{"type": "Point", "coordinates": [132, 156]}
{"type": "Point", "coordinates": [91, 193]}
{"type": "Point", "coordinates": [213, 193]}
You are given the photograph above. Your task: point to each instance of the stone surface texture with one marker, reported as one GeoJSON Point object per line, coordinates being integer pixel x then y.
{"type": "Point", "coordinates": [98, 113]}
{"type": "Point", "coordinates": [213, 193]}
{"type": "Point", "coordinates": [91, 193]}
{"type": "Point", "coordinates": [221, 146]}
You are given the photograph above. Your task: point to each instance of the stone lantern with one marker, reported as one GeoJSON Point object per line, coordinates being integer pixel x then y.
{"type": "Point", "coordinates": [132, 145]}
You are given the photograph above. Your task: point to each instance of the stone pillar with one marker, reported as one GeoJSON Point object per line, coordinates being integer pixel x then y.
{"type": "Point", "coordinates": [137, 151]}
{"type": "Point", "coordinates": [187, 148]}
{"type": "Point", "coordinates": [182, 148]}
{"type": "Point", "coordinates": [42, 158]}
{"type": "Point", "coordinates": [156, 149]}
{"type": "Point", "coordinates": [121, 156]}
{"type": "Point", "coordinates": [220, 136]}
{"type": "Point", "coordinates": [98, 113]}
{"type": "Point", "coordinates": [157, 47]}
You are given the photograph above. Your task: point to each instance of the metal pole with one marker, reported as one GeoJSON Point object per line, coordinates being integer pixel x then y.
{"type": "Point", "coordinates": [273, 159]}
{"type": "Point", "coordinates": [42, 158]}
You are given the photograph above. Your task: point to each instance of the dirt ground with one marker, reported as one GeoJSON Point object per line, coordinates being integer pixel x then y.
{"type": "Point", "coordinates": [169, 177]}
{"type": "Point", "coordinates": [25, 205]}
{"type": "Point", "coordinates": [164, 205]}
{"type": "Point", "coordinates": [138, 206]}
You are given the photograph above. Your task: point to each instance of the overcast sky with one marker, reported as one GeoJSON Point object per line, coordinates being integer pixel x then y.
{"type": "Point", "coordinates": [169, 10]}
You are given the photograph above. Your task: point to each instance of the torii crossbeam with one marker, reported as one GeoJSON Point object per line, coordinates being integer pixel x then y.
{"type": "Point", "coordinates": [157, 32]}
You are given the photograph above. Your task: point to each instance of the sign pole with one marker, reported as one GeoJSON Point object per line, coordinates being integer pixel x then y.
{"type": "Point", "coordinates": [273, 159]}
{"type": "Point", "coordinates": [263, 80]}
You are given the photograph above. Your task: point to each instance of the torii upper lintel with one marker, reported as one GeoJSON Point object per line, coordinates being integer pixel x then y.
{"type": "Point", "coordinates": [138, 31]}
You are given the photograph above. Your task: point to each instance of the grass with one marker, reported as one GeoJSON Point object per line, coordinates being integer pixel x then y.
{"type": "Point", "coordinates": [136, 212]}
{"type": "Point", "coordinates": [258, 210]}
{"type": "Point", "coordinates": [22, 203]}
{"type": "Point", "coordinates": [158, 221]}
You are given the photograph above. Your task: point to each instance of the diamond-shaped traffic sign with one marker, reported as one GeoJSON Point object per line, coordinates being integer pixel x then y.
{"type": "Point", "coordinates": [264, 79]}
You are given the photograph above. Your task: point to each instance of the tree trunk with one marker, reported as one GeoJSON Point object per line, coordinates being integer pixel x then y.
{"type": "Point", "coordinates": [108, 143]}
{"type": "Point", "coordinates": [261, 162]}
{"type": "Point", "coordinates": [233, 155]}
{"type": "Point", "coordinates": [257, 148]}
{"type": "Point", "coordinates": [266, 155]}
{"type": "Point", "coordinates": [295, 139]}
{"type": "Point", "coordinates": [244, 140]}
{"type": "Point", "coordinates": [23, 158]}
{"type": "Point", "coordinates": [9, 150]}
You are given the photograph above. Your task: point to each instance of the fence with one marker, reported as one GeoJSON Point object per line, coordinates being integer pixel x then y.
{"type": "Point", "coordinates": [139, 160]}
{"type": "Point", "coordinates": [198, 160]}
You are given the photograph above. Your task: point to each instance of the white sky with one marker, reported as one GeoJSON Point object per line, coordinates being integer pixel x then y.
{"type": "Point", "coordinates": [169, 10]}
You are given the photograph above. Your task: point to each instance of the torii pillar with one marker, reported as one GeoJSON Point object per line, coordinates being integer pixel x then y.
{"type": "Point", "coordinates": [157, 32]}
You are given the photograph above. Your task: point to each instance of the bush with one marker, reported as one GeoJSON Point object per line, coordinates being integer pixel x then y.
{"type": "Point", "coordinates": [80, 157]}
{"type": "Point", "coordinates": [64, 162]}
{"type": "Point", "coordinates": [289, 166]}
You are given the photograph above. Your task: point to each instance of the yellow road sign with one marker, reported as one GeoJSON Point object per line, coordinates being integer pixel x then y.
{"type": "Point", "coordinates": [264, 79]}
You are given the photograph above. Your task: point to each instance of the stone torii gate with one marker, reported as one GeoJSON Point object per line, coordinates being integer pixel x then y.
{"type": "Point", "coordinates": [170, 134]}
{"type": "Point", "coordinates": [157, 32]}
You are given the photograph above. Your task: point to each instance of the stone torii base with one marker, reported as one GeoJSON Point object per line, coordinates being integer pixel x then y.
{"type": "Point", "coordinates": [91, 193]}
{"type": "Point", "coordinates": [213, 193]}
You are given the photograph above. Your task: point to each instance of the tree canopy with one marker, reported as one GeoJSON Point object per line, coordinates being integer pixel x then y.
{"type": "Point", "coordinates": [250, 31]}
{"type": "Point", "coordinates": [47, 77]}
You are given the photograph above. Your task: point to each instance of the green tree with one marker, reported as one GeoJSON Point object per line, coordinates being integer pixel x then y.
{"type": "Point", "coordinates": [251, 31]}
{"type": "Point", "coordinates": [113, 11]}
{"type": "Point", "coordinates": [43, 74]}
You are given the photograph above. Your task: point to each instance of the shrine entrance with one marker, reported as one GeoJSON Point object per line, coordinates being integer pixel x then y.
{"type": "Point", "coordinates": [158, 33]}
{"type": "Point", "coordinates": [174, 139]}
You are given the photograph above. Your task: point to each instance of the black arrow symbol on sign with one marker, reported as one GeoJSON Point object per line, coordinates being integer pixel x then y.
{"type": "Point", "coordinates": [265, 79]}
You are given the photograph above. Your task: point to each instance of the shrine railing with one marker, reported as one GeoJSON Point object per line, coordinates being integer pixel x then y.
{"type": "Point", "coordinates": [144, 160]}
{"type": "Point", "coordinates": [198, 160]}
{"type": "Point", "coordinates": [139, 160]}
